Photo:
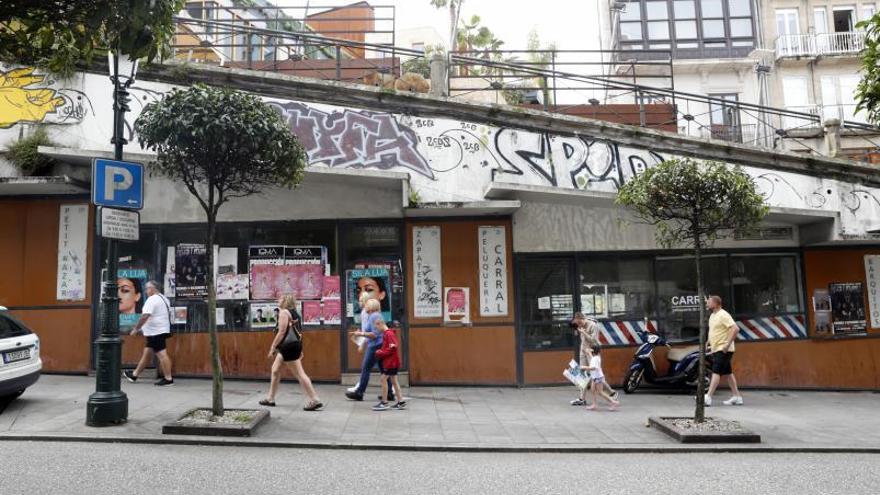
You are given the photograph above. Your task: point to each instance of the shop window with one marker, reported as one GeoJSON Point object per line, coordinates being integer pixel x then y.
{"type": "Point", "coordinates": [375, 246]}
{"type": "Point", "coordinates": [620, 289]}
{"type": "Point", "coordinates": [546, 302]}
{"type": "Point", "coordinates": [678, 304]}
{"type": "Point", "coordinates": [765, 285]}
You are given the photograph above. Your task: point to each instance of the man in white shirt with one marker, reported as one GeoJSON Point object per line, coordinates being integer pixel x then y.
{"type": "Point", "coordinates": [155, 322]}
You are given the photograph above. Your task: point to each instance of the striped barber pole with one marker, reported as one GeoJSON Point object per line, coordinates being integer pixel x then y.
{"type": "Point", "coordinates": [772, 327]}
{"type": "Point", "coordinates": [624, 332]}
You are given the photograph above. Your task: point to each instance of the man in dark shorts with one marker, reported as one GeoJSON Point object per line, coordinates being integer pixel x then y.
{"type": "Point", "coordinates": [722, 333]}
{"type": "Point", "coordinates": [155, 322]}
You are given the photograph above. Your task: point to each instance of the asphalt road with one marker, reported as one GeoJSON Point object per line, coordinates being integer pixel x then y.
{"type": "Point", "coordinates": [49, 468]}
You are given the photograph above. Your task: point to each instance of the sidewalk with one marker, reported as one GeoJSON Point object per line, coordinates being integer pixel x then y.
{"type": "Point", "coordinates": [450, 418]}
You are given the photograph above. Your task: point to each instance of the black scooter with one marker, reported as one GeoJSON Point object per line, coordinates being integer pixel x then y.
{"type": "Point", "coordinates": [683, 366]}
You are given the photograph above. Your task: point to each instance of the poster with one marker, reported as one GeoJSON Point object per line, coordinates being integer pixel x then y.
{"type": "Point", "coordinates": [394, 268]}
{"type": "Point", "coordinates": [374, 281]}
{"type": "Point", "coordinates": [225, 261]}
{"type": "Point", "coordinates": [305, 255]}
{"type": "Point", "coordinates": [617, 302]}
{"type": "Point", "coordinates": [847, 308]}
{"type": "Point", "coordinates": [131, 290]}
{"type": "Point", "coordinates": [168, 276]}
{"type": "Point", "coordinates": [311, 312]}
{"type": "Point", "coordinates": [426, 269]}
{"type": "Point", "coordinates": [190, 271]}
{"type": "Point", "coordinates": [281, 270]}
{"type": "Point", "coordinates": [73, 228]}
{"type": "Point", "coordinates": [821, 300]}
{"type": "Point", "coordinates": [233, 286]}
{"type": "Point", "coordinates": [823, 323]}
{"type": "Point", "coordinates": [872, 275]}
{"type": "Point", "coordinates": [457, 302]}
{"type": "Point", "coordinates": [220, 315]}
{"type": "Point", "coordinates": [179, 313]}
{"type": "Point", "coordinates": [492, 246]}
{"type": "Point", "coordinates": [331, 288]}
{"type": "Point", "coordinates": [332, 311]}
{"type": "Point", "coordinates": [263, 315]}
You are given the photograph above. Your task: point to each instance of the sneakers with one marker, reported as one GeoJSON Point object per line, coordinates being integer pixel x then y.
{"type": "Point", "coordinates": [381, 406]}
{"type": "Point", "coordinates": [578, 402]}
{"type": "Point", "coordinates": [707, 400]}
{"type": "Point", "coordinates": [353, 389]}
{"type": "Point", "coordinates": [736, 400]}
{"type": "Point", "coordinates": [400, 406]}
{"type": "Point", "coordinates": [353, 395]}
{"type": "Point", "coordinates": [162, 382]}
{"type": "Point", "coordinates": [130, 376]}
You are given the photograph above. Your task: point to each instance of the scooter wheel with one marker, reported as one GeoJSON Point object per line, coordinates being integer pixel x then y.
{"type": "Point", "coordinates": [632, 380]}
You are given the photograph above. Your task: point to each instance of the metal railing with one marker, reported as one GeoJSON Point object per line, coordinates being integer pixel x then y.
{"type": "Point", "coordinates": [814, 45]}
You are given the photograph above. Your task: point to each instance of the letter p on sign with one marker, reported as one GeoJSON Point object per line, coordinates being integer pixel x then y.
{"type": "Point", "coordinates": [117, 184]}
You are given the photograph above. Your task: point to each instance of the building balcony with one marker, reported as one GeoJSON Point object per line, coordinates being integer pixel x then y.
{"type": "Point", "coordinates": [848, 43]}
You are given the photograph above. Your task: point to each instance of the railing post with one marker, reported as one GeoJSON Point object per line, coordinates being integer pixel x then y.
{"type": "Point", "coordinates": [553, 68]}
{"type": "Point", "coordinates": [439, 75]}
{"type": "Point", "coordinates": [338, 63]}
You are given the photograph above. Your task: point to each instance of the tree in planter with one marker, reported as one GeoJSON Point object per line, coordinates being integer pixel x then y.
{"type": "Point", "coordinates": [693, 204]}
{"type": "Point", "coordinates": [221, 144]}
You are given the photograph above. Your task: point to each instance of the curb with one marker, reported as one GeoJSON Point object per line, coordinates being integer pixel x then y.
{"type": "Point", "coordinates": [404, 447]}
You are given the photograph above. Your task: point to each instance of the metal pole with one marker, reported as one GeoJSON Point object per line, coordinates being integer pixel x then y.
{"type": "Point", "coordinates": [109, 404]}
{"type": "Point", "coordinates": [338, 62]}
{"type": "Point", "coordinates": [553, 65]}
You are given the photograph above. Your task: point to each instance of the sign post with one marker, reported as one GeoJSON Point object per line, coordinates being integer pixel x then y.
{"type": "Point", "coordinates": [117, 188]}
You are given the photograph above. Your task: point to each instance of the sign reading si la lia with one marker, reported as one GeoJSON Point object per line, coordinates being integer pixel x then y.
{"type": "Point", "coordinates": [493, 271]}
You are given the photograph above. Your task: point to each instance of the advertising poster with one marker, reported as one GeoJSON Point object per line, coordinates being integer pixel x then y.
{"type": "Point", "coordinates": [233, 286]}
{"type": "Point", "coordinates": [281, 270]}
{"type": "Point", "coordinates": [220, 316]}
{"type": "Point", "coordinates": [823, 323]}
{"type": "Point", "coordinates": [821, 300]}
{"type": "Point", "coordinates": [492, 269]}
{"type": "Point", "coordinates": [331, 289]}
{"type": "Point", "coordinates": [457, 301]}
{"type": "Point", "coordinates": [190, 271]}
{"type": "Point", "coordinates": [872, 275]}
{"type": "Point", "coordinates": [332, 311]}
{"type": "Point", "coordinates": [168, 276]}
{"type": "Point", "coordinates": [426, 270]}
{"type": "Point", "coordinates": [225, 261]}
{"type": "Point", "coordinates": [263, 315]}
{"type": "Point", "coordinates": [311, 312]}
{"type": "Point", "coordinates": [179, 314]}
{"type": "Point", "coordinates": [847, 308]}
{"type": "Point", "coordinates": [131, 290]}
{"type": "Point", "coordinates": [374, 281]}
{"type": "Point", "coordinates": [73, 229]}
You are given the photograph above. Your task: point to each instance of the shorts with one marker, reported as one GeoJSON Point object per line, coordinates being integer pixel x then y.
{"type": "Point", "coordinates": [389, 372]}
{"type": "Point", "coordinates": [291, 351]}
{"type": "Point", "coordinates": [721, 363]}
{"type": "Point", "coordinates": [157, 342]}
{"type": "Point", "coordinates": [600, 380]}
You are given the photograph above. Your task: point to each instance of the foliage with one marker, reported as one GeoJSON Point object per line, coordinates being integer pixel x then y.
{"type": "Point", "coordinates": [540, 58]}
{"type": "Point", "coordinates": [868, 91]}
{"type": "Point", "coordinates": [24, 155]}
{"type": "Point", "coordinates": [693, 204]}
{"type": "Point", "coordinates": [422, 65]}
{"type": "Point", "coordinates": [221, 144]}
{"type": "Point", "coordinates": [454, 7]}
{"type": "Point", "coordinates": [56, 34]}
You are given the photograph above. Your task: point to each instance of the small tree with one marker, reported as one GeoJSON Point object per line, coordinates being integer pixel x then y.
{"type": "Point", "coordinates": [868, 91]}
{"type": "Point", "coordinates": [693, 204]}
{"type": "Point", "coordinates": [221, 144]}
{"type": "Point", "coordinates": [454, 7]}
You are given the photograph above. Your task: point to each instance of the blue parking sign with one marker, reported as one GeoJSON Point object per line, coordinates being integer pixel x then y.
{"type": "Point", "coordinates": [117, 184]}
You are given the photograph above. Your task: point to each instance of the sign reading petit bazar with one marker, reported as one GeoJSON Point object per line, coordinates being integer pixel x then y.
{"type": "Point", "coordinates": [73, 227]}
{"type": "Point", "coordinates": [493, 271]}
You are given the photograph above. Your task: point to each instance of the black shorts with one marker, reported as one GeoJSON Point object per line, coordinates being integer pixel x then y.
{"type": "Point", "coordinates": [388, 372]}
{"type": "Point", "coordinates": [157, 342]}
{"type": "Point", "coordinates": [291, 351]}
{"type": "Point", "coordinates": [721, 363]}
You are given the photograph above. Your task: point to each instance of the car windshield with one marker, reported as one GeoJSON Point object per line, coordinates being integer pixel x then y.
{"type": "Point", "coordinates": [10, 328]}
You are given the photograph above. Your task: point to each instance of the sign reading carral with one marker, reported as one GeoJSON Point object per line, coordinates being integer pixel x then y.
{"type": "Point", "coordinates": [493, 271]}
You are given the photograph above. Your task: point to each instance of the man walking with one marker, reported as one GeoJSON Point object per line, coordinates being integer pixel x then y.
{"type": "Point", "coordinates": [155, 322]}
{"type": "Point", "coordinates": [722, 333]}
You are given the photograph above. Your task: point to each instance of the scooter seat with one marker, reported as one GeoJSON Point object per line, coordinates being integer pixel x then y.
{"type": "Point", "coordinates": [678, 353]}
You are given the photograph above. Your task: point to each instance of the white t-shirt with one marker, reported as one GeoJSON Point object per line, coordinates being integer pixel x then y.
{"type": "Point", "coordinates": [596, 364]}
{"type": "Point", "coordinates": [159, 322]}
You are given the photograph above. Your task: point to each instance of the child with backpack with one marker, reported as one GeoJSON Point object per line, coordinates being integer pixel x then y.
{"type": "Point", "coordinates": [389, 363]}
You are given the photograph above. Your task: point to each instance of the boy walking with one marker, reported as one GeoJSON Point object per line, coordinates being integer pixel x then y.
{"type": "Point", "coordinates": [389, 363]}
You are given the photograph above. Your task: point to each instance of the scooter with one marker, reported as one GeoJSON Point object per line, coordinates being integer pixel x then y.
{"type": "Point", "coordinates": [683, 366]}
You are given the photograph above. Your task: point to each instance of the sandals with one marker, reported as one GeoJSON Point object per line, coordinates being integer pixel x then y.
{"type": "Point", "coordinates": [313, 406]}
{"type": "Point", "coordinates": [267, 402]}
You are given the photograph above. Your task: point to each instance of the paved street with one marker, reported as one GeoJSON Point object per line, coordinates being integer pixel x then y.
{"type": "Point", "coordinates": [464, 417]}
{"type": "Point", "coordinates": [135, 469]}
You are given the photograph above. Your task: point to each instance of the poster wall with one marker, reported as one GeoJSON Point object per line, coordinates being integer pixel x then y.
{"type": "Point", "coordinates": [282, 270]}
{"type": "Point", "coordinates": [847, 308]}
{"type": "Point", "coordinates": [426, 269]}
{"type": "Point", "coordinates": [73, 229]}
{"type": "Point", "coordinates": [872, 275]}
{"type": "Point", "coordinates": [374, 281]}
{"type": "Point", "coordinates": [190, 270]}
{"type": "Point", "coordinates": [492, 246]}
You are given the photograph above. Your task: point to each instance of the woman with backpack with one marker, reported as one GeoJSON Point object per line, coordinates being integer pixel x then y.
{"type": "Point", "coordinates": [287, 348]}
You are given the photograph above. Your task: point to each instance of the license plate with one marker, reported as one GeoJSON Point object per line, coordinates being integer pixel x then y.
{"type": "Point", "coordinates": [11, 357]}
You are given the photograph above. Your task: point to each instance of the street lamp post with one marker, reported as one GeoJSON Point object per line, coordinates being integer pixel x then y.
{"type": "Point", "coordinates": [108, 405]}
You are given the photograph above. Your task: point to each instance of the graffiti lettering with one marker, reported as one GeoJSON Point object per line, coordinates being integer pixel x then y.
{"type": "Point", "coordinates": [354, 139]}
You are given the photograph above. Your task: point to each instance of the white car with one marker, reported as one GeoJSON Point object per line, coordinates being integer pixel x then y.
{"type": "Point", "coordinates": [20, 362]}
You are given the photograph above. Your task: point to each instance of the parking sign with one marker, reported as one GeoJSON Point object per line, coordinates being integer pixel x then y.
{"type": "Point", "coordinates": [117, 184]}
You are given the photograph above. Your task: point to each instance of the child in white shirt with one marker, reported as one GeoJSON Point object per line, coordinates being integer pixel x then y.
{"type": "Point", "coordinates": [597, 379]}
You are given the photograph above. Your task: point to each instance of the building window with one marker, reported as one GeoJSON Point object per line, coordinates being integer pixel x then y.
{"type": "Point", "coordinates": [619, 289]}
{"type": "Point", "coordinates": [678, 307]}
{"type": "Point", "coordinates": [765, 285]}
{"type": "Point", "coordinates": [546, 294]}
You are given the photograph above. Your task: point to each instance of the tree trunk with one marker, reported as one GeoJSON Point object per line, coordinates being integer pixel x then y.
{"type": "Point", "coordinates": [216, 367]}
{"type": "Point", "coordinates": [700, 411]}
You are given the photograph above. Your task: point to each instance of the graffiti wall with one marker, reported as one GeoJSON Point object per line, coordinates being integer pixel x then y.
{"type": "Point", "coordinates": [447, 160]}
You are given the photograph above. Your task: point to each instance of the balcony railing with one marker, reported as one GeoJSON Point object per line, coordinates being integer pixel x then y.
{"type": "Point", "coordinates": [814, 45]}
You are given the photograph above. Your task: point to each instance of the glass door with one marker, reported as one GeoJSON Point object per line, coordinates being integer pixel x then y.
{"type": "Point", "coordinates": [788, 32]}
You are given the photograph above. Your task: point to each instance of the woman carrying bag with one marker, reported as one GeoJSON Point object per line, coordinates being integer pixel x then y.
{"type": "Point", "coordinates": [287, 348]}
